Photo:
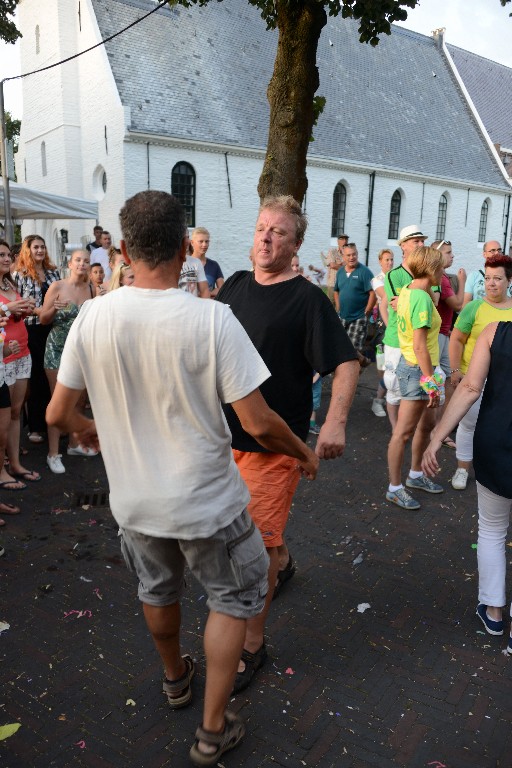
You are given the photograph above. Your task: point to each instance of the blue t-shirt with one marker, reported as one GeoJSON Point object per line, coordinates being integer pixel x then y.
{"type": "Point", "coordinates": [212, 272]}
{"type": "Point", "coordinates": [353, 288]}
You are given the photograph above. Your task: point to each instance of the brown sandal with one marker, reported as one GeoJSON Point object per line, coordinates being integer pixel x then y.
{"type": "Point", "coordinates": [233, 733]}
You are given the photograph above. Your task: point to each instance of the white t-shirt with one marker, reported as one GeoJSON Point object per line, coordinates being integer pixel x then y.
{"type": "Point", "coordinates": [378, 282]}
{"type": "Point", "coordinates": [157, 365]}
{"type": "Point", "coordinates": [100, 256]}
{"type": "Point", "coordinates": [192, 273]}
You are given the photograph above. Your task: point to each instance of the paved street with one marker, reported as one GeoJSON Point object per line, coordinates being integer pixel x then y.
{"type": "Point", "coordinates": [411, 681]}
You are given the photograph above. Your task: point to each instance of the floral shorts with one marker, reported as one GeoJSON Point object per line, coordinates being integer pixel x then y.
{"type": "Point", "coordinates": [18, 369]}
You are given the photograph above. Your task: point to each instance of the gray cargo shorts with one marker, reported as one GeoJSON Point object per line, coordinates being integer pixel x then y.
{"type": "Point", "coordinates": [231, 565]}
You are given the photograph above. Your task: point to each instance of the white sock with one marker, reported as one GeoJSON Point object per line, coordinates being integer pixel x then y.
{"type": "Point", "coordinates": [414, 475]}
{"type": "Point", "coordinates": [394, 488]}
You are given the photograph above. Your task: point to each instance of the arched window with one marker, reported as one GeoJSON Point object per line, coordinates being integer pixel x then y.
{"type": "Point", "coordinates": [37, 38]}
{"type": "Point", "coordinates": [183, 186]}
{"type": "Point", "coordinates": [394, 215]}
{"type": "Point", "coordinates": [43, 158]}
{"type": "Point", "coordinates": [339, 205]}
{"type": "Point", "coordinates": [441, 218]}
{"type": "Point", "coordinates": [482, 230]}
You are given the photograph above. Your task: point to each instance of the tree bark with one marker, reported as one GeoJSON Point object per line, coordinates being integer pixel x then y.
{"type": "Point", "coordinates": [290, 93]}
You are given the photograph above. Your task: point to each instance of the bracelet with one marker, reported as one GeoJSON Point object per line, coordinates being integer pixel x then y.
{"type": "Point", "coordinates": [432, 385]}
{"type": "Point", "coordinates": [5, 310]}
{"type": "Point", "coordinates": [454, 370]}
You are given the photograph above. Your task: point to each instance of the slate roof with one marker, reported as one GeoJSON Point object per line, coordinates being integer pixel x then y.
{"type": "Point", "coordinates": [201, 74]}
{"type": "Point", "coordinates": [490, 86]}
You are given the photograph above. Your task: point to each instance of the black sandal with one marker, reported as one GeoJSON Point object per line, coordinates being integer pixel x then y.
{"type": "Point", "coordinates": [253, 662]}
{"type": "Point", "coordinates": [179, 692]}
{"type": "Point", "coordinates": [233, 733]}
{"type": "Point", "coordinates": [284, 576]}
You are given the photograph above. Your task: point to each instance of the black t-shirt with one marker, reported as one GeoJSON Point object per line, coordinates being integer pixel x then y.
{"type": "Point", "coordinates": [296, 330]}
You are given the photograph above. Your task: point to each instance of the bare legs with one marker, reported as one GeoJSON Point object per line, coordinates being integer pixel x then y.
{"type": "Point", "coordinates": [17, 393]}
{"type": "Point", "coordinates": [413, 417]}
{"type": "Point", "coordinates": [223, 645]}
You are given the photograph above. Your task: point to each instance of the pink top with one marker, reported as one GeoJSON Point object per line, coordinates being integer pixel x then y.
{"type": "Point", "coordinates": [15, 330]}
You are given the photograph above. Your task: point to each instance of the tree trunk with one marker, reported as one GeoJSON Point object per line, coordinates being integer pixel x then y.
{"type": "Point", "coordinates": [290, 94]}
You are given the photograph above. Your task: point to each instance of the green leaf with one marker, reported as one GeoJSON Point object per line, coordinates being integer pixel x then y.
{"type": "Point", "coordinates": [8, 730]}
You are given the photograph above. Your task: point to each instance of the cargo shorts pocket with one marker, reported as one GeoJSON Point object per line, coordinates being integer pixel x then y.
{"type": "Point", "coordinates": [249, 562]}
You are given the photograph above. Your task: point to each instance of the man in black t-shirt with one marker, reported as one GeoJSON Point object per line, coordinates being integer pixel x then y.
{"type": "Point", "coordinates": [296, 330]}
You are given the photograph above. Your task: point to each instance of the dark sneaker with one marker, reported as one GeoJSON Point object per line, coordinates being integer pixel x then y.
{"type": "Point", "coordinates": [314, 429]}
{"type": "Point", "coordinates": [492, 627]}
{"type": "Point", "coordinates": [509, 646]}
{"type": "Point", "coordinates": [423, 484]}
{"type": "Point", "coordinates": [402, 499]}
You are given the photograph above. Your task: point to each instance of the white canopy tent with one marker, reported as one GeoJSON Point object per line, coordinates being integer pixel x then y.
{"type": "Point", "coordinates": [27, 203]}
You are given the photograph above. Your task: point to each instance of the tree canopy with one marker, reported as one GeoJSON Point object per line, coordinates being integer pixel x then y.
{"type": "Point", "coordinates": [8, 31]}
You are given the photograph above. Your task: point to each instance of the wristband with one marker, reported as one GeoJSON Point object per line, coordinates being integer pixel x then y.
{"type": "Point", "coordinates": [454, 370]}
{"type": "Point", "coordinates": [4, 309]}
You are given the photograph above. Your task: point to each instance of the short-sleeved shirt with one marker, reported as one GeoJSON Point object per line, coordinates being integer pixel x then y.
{"type": "Point", "coordinates": [213, 272]}
{"type": "Point", "coordinates": [353, 288]}
{"type": "Point", "coordinates": [333, 257]}
{"type": "Point", "coordinates": [416, 310]}
{"type": "Point", "coordinates": [157, 364]}
{"type": "Point", "coordinates": [395, 280]}
{"type": "Point", "coordinates": [473, 318]}
{"type": "Point", "coordinates": [296, 330]}
{"type": "Point", "coordinates": [444, 310]}
{"type": "Point", "coordinates": [192, 273]}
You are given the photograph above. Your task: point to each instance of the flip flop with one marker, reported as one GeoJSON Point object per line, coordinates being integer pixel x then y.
{"type": "Point", "coordinates": [6, 483]}
{"type": "Point", "coordinates": [449, 443]}
{"type": "Point", "coordinates": [8, 509]}
{"type": "Point", "coordinates": [25, 476]}
{"type": "Point", "coordinates": [2, 522]}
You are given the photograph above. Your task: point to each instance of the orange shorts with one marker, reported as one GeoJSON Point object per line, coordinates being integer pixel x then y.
{"type": "Point", "coordinates": [272, 479]}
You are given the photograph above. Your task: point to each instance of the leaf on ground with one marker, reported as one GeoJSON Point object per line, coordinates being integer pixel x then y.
{"type": "Point", "coordinates": [8, 730]}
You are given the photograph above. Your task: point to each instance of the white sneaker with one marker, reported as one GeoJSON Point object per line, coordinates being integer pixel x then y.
{"type": "Point", "coordinates": [55, 464]}
{"type": "Point", "coordinates": [79, 450]}
{"type": "Point", "coordinates": [460, 479]}
{"type": "Point", "coordinates": [378, 407]}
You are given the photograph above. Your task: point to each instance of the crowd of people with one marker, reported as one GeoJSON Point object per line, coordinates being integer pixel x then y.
{"type": "Point", "coordinates": [237, 396]}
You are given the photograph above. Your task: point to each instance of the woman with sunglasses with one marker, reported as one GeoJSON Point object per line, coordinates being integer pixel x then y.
{"type": "Point", "coordinates": [33, 273]}
{"type": "Point", "coordinates": [61, 306]}
{"type": "Point", "coordinates": [496, 305]}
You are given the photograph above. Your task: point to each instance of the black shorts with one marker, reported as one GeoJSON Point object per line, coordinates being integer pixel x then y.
{"type": "Point", "coordinates": [5, 398]}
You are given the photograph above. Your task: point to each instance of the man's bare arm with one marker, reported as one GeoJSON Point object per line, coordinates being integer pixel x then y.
{"type": "Point", "coordinates": [269, 429]}
{"type": "Point", "coordinates": [331, 440]}
{"type": "Point", "coordinates": [62, 413]}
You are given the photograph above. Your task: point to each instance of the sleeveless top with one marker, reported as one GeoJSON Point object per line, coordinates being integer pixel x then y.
{"type": "Point", "coordinates": [492, 447]}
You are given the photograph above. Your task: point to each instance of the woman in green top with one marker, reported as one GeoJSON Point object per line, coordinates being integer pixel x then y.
{"type": "Point", "coordinates": [494, 307]}
{"type": "Point", "coordinates": [418, 324]}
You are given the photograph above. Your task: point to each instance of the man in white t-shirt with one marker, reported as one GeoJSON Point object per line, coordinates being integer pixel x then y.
{"type": "Point", "coordinates": [157, 363]}
{"type": "Point", "coordinates": [100, 255]}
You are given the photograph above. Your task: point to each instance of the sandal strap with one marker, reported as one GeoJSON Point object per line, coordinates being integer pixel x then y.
{"type": "Point", "coordinates": [176, 686]}
{"type": "Point", "coordinates": [249, 657]}
{"type": "Point", "coordinates": [234, 729]}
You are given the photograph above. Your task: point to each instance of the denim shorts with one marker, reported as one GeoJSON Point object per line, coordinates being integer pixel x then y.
{"type": "Point", "coordinates": [231, 565]}
{"type": "Point", "coordinates": [409, 381]}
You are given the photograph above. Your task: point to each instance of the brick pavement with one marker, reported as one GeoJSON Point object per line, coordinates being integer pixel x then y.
{"type": "Point", "coordinates": [411, 682]}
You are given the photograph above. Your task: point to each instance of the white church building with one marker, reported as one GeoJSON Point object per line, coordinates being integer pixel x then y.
{"type": "Point", "coordinates": [178, 102]}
